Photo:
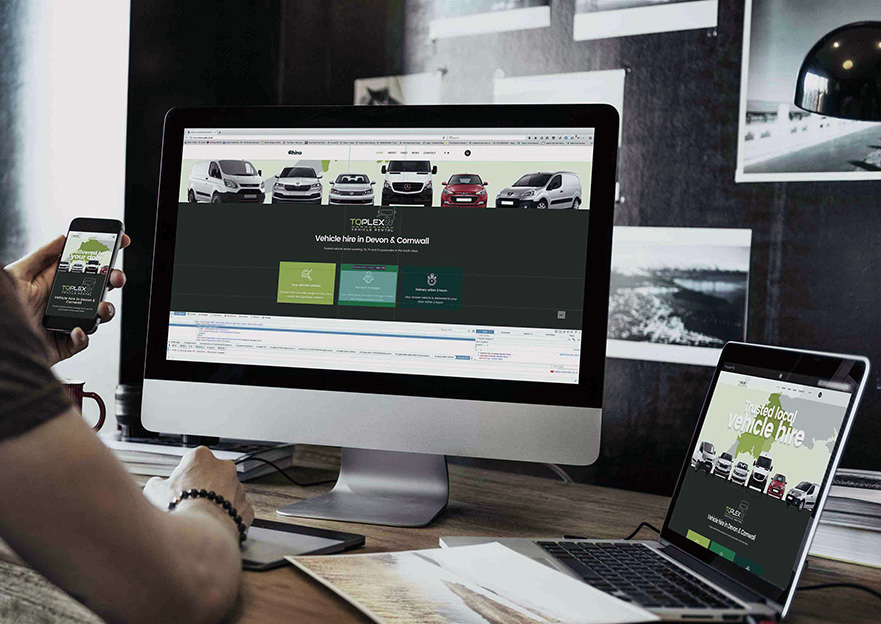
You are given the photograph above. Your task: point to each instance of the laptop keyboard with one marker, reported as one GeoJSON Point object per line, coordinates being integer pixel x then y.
{"type": "Point", "coordinates": [636, 573]}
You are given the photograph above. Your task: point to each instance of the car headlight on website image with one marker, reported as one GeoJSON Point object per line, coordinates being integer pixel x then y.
{"type": "Point", "coordinates": [315, 186]}
{"type": "Point", "coordinates": [481, 192]}
{"type": "Point", "coordinates": [386, 185]}
{"type": "Point", "coordinates": [447, 191]}
{"type": "Point", "coordinates": [231, 184]}
{"type": "Point", "coordinates": [261, 186]}
{"type": "Point", "coordinates": [277, 186]}
{"type": "Point", "coordinates": [528, 194]}
{"type": "Point", "coordinates": [427, 186]}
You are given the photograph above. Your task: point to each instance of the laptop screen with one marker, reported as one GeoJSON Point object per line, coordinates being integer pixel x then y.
{"type": "Point", "coordinates": [758, 467]}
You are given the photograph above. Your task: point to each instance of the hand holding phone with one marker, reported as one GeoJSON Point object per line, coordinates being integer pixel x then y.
{"type": "Point", "coordinates": [82, 275]}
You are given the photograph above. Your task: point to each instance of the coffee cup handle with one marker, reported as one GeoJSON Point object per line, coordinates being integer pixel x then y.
{"type": "Point", "coordinates": [102, 409]}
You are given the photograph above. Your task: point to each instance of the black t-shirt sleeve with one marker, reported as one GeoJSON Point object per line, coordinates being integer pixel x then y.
{"type": "Point", "coordinates": [29, 393]}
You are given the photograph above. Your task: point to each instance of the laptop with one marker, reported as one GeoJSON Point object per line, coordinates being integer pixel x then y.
{"type": "Point", "coordinates": [768, 441]}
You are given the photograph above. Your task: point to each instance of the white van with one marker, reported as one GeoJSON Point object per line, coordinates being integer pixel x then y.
{"type": "Point", "coordinates": [219, 181]}
{"type": "Point", "coordinates": [408, 182]}
{"type": "Point", "coordinates": [542, 190]}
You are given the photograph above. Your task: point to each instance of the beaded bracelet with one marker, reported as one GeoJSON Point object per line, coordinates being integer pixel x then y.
{"type": "Point", "coordinates": [214, 498]}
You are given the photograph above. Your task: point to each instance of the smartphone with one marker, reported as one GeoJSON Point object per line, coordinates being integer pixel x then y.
{"type": "Point", "coordinates": [83, 274]}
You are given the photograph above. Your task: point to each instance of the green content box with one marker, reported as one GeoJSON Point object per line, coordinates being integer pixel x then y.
{"type": "Point", "coordinates": [309, 283]}
{"type": "Point", "coordinates": [698, 538]}
{"type": "Point", "coordinates": [431, 287]}
{"type": "Point", "coordinates": [371, 285]}
{"type": "Point", "coordinates": [721, 550]}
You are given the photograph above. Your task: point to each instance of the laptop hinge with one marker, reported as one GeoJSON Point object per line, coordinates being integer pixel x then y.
{"type": "Point", "coordinates": [722, 580]}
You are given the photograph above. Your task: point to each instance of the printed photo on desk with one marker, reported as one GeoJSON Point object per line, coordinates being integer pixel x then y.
{"type": "Point", "coordinates": [482, 584]}
{"type": "Point", "coordinates": [778, 141]}
{"type": "Point", "coordinates": [601, 19]}
{"type": "Point", "coordinates": [677, 294]}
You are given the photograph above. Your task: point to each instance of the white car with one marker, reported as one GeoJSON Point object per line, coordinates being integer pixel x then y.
{"type": "Point", "coordinates": [740, 473]}
{"type": "Point", "coordinates": [803, 495]}
{"type": "Point", "coordinates": [408, 182]}
{"type": "Point", "coordinates": [723, 465]}
{"type": "Point", "coordinates": [351, 188]}
{"type": "Point", "coordinates": [219, 181]}
{"type": "Point", "coordinates": [758, 480]}
{"type": "Point", "coordinates": [704, 457]}
{"type": "Point", "coordinates": [297, 185]}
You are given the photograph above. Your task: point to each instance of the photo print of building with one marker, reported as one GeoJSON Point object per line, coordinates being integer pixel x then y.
{"type": "Point", "coordinates": [460, 18]}
{"type": "Point", "coordinates": [677, 294]}
{"type": "Point", "coordinates": [602, 19]}
{"type": "Point", "coordinates": [778, 141]}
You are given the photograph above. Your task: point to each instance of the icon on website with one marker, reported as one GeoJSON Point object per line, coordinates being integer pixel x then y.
{"type": "Point", "coordinates": [368, 277]}
{"type": "Point", "coordinates": [306, 274]}
{"type": "Point", "coordinates": [432, 279]}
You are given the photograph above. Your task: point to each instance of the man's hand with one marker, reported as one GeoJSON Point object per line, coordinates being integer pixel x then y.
{"type": "Point", "coordinates": [201, 470]}
{"type": "Point", "coordinates": [33, 276]}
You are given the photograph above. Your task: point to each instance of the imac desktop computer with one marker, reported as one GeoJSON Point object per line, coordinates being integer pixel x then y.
{"type": "Point", "coordinates": [407, 283]}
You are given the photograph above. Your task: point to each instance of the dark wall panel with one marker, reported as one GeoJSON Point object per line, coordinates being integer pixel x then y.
{"type": "Point", "coordinates": [814, 264]}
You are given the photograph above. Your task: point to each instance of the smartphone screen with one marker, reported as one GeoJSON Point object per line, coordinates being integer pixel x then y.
{"type": "Point", "coordinates": [82, 274]}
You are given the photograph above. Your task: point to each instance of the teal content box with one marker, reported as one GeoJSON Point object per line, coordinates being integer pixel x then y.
{"type": "Point", "coordinates": [371, 285]}
{"type": "Point", "coordinates": [431, 287]}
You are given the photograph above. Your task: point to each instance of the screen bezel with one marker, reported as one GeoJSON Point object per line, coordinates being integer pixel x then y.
{"type": "Point", "coordinates": [84, 224]}
{"type": "Point", "coordinates": [789, 362]}
{"type": "Point", "coordinates": [587, 393]}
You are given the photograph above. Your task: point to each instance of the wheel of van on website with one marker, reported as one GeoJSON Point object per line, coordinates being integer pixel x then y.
{"type": "Point", "coordinates": [215, 199]}
{"type": "Point", "coordinates": [542, 204]}
{"type": "Point", "coordinates": [191, 196]}
{"type": "Point", "coordinates": [576, 204]}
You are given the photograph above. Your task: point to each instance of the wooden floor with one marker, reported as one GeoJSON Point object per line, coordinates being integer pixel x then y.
{"type": "Point", "coordinates": [483, 502]}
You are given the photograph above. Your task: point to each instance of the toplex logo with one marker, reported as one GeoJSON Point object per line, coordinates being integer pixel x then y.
{"type": "Point", "coordinates": [294, 153]}
{"type": "Point", "coordinates": [376, 222]}
{"type": "Point", "coordinates": [737, 514]}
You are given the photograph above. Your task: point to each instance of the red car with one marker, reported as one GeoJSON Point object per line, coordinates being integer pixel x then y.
{"type": "Point", "coordinates": [777, 485]}
{"type": "Point", "coordinates": [464, 189]}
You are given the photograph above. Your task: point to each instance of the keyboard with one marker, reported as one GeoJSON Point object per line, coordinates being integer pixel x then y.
{"type": "Point", "coordinates": [638, 574]}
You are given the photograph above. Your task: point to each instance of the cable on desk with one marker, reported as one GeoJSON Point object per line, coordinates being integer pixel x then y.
{"type": "Point", "coordinates": [631, 536]}
{"type": "Point", "coordinates": [640, 527]}
{"type": "Point", "coordinates": [868, 590]}
{"type": "Point", "coordinates": [281, 470]}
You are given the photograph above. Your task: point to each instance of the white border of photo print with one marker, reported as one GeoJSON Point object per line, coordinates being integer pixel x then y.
{"type": "Point", "coordinates": [777, 141]}
{"type": "Point", "coordinates": [602, 19]}
{"type": "Point", "coordinates": [654, 266]}
{"type": "Point", "coordinates": [478, 17]}
{"type": "Point", "coordinates": [422, 88]}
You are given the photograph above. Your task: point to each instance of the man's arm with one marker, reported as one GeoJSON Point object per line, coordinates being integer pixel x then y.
{"type": "Point", "coordinates": [74, 513]}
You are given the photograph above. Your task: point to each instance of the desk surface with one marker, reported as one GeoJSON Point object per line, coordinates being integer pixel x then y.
{"type": "Point", "coordinates": [486, 502]}
{"type": "Point", "coordinates": [483, 502]}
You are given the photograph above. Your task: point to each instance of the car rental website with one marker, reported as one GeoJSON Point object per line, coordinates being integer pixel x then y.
{"type": "Point", "coordinates": [754, 484]}
{"type": "Point", "coordinates": [456, 253]}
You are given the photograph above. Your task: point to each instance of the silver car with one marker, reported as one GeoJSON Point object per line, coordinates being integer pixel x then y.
{"type": "Point", "coordinates": [542, 190]}
{"type": "Point", "coordinates": [740, 473]}
{"type": "Point", "coordinates": [297, 185]}
{"type": "Point", "coordinates": [351, 188]}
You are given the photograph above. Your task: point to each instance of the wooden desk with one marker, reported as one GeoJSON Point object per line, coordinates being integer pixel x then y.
{"type": "Point", "coordinates": [483, 502]}
{"type": "Point", "coordinates": [486, 502]}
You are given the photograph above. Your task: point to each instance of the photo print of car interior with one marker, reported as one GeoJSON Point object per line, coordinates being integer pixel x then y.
{"type": "Point", "coordinates": [757, 468]}
{"type": "Point", "coordinates": [457, 253]}
{"type": "Point", "coordinates": [79, 282]}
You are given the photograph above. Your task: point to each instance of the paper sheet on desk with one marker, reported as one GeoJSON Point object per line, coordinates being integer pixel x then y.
{"type": "Point", "coordinates": [487, 583]}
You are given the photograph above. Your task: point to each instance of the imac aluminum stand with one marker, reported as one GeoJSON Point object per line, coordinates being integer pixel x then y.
{"type": "Point", "coordinates": [382, 487]}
